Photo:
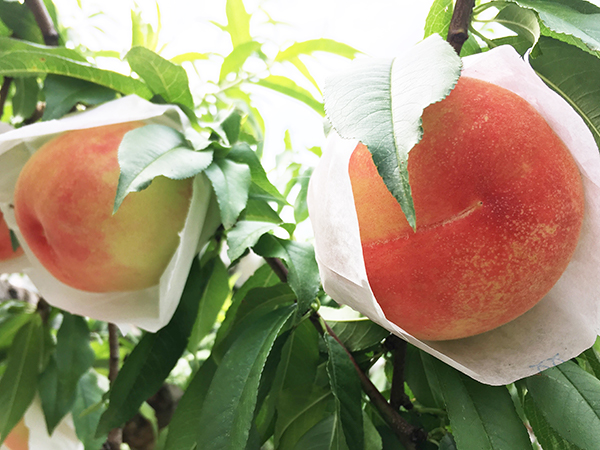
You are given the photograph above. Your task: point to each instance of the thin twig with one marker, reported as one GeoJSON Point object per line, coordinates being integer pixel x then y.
{"type": "Point", "coordinates": [44, 21]}
{"type": "Point", "coordinates": [398, 396]}
{"type": "Point", "coordinates": [458, 32]}
{"type": "Point", "coordinates": [115, 436]}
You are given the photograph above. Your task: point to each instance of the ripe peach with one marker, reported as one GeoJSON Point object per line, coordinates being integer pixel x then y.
{"type": "Point", "coordinates": [499, 207]}
{"type": "Point", "coordinates": [63, 207]}
{"type": "Point", "coordinates": [18, 438]}
{"type": "Point", "coordinates": [6, 248]}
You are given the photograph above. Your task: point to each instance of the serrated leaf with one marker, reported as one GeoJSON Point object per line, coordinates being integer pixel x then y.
{"type": "Point", "coordinates": [236, 59]}
{"type": "Point", "coordinates": [72, 359]}
{"type": "Point", "coordinates": [238, 22]}
{"type": "Point", "coordinates": [153, 358]}
{"type": "Point", "coordinates": [216, 292]}
{"type": "Point", "coordinates": [316, 45]}
{"type": "Point", "coordinates": [19, 18]}
{"type": "Point", "coordinates": [482, 417]}
{"type": "Point", "coordinates": [522, 21]}
{"type": "Point", "coordinates": [545, 434]}
{"type": "Point", "coordinates": [569, 18]}
{"type": "Point", "coordinates": [231, 183]}
{"type": "Point", "coordinates": [439, 17]}
{"type": "Point", "coordinates": [245, 234]}
{"type": "Point", "coordinates": [18, 384]}
{"type": "Point", "coordinates": [573, 405]}
{"type": "Point", "coordinates": [380, 103]}
{"type": "Point", "coordinates": [347, 391]}
{"type": "Point", "coordinates": [88, 408]}
{"type": "Point", "coordinates": [63, 93]}
{"type": "Point", "coordinates": [299, 257]}
{"type": "Point", "coordinates": [166, 79]}
{"type": "Point", "coordinates": [229, 405]}
{"type": "Point", "coordinates": [574, 79]}
{"type": "Point", "coordinates": [288, 87]}
{"type": "Point", "coordinates": [154, 150]}
{"type": "Point", "coordinates": [358, 335]}
{"type": "Point", "coordinates": [25, 99]}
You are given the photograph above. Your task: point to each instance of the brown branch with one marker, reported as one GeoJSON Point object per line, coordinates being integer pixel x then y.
{"type": "Point", "coordinates": [44, 21]}
{"type": "Point", "coordinates": [278, 267]}
{"type": "Point", "coordinates": [458, 32]}
{"type": "Point", "coordinates": [398, 396]}
{"type": "Point", "coordinates": [115, 436]}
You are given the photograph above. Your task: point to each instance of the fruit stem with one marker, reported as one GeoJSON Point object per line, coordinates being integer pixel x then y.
{"type": "Point", "coordinates": [44, 21]}
{"type": "Point", "coordinates": [459, 25]}
{"type": "Point", "coordinates": [115, 436]}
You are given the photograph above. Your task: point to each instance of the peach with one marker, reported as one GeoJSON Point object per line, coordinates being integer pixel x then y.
{"type": "Point", "coordinates": [6, 248]}
{"type": "Point", "coordinates": [499, 207]}
{"type": "Point", "coordinates": [64, 209]}
{"type": "Point", "coordinates": [18, 438]}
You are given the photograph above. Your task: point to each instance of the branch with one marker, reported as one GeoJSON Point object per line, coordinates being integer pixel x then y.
{"type": "Point", "coordinates": [4, 93]}
{"type": "Point", "coordinates": [459, 25]}
{"type": "Point", "coordinates": [407, 434]}
{"type": "Point", "coordinates": [44, 21]}
{"type": "Point", "coordinates": [398, 397]}
{"type": "Point", "coordinates": [115, 436]}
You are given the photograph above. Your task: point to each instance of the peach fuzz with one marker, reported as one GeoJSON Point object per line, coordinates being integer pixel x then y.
{"type": "Point", "coordinates": [499, 208]}
{"type": "Point", "coordinates": [6, 248]}
{"type": "Point", "coordinates": [63, 207]}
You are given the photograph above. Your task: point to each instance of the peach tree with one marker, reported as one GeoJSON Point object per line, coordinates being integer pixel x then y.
{"type": "Point", "coordinates": [242, 341]}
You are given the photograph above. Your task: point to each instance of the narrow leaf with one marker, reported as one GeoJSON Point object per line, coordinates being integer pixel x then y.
{"type": "Point", "coordinates": [288, 87]}
{"type": "Point", "coordinates": [438, 19]}
{"type": "Point", "coordinates": [88, 408]}
{"type": "Point", "coordinates": [545, 434]}
{"type": "Point", "coordinates": [316, 45]}
{"type": "Point", "coordinates": [380, 103]}
{"type": "Point", "coordinates": [236, 59]}
{"type": "Point", "coordinates": [19, 18]}
{"type": "Point", "coordinates": [522, 21]}
{"type": "Point", "coordinates": [238, 22]}
{"type": "Point", "coordinates": [26, 97]}
{"type": "Point", "coordinates": [231, 183]}
{"type": "Point", "coordinates": [326, 435]}
{"type": "Point", "coordinates": [244, 235]}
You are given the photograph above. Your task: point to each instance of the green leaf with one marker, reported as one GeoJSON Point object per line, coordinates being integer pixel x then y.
{"type": "Point", "coordinates": [288, 87]}
{"type": "Point", "coordinates": [326, 435]}
{"type": "Point", "coordinates": [244, 235]}
{"type": "Point", "coordinates": [300, 205]}
{"type": "Point", "coordinates": [155, 150]}
{"type": "Point", "coordinates": [421, 378]}
{"type": "Point", "coordinates": [522, 21]}
{"type": "Point", "coordinates": [358, 334]}
{"type": "Point", "coordinates": [438, 19]}
{"type": "Point", "coordinates": [545, 434]}
{"type": "Point", "coordinates": [231, 126]}
{"type": "Point", "coordinates": [63, 93]}
{"type": "Point", "coordinates": [216, 292]}
{"type": "Point", "coordinates": [88, 408]}
{"type": "Point", "coordinates": [72, 359]}
{"type": "Point", "coordinates": [188, 57]}
{"type": "Point", "coordinates": [316, 45]}
{"type": "Point", "coordinates": [447, 443]}
{"type": "Point", "coordinates": [229, 405]}
{"type": "Point", "coordinates": [154, 357]}
{"type": "Point", "coordinates": [380, 103]}
{"type": "Point", "coordinates": [347, 391]}
{"type": "Point", "coordinates": [184, 425]}
{"type": "Point", "coordinates": [573, 74]}
{"type": "Point", "coordinates": [236, 59]}
{"type": "Point", "coordinates": [8, 44]}
{"type": "Point", "coordinates": [299, 257]}
{"type": "Point", "coordinates": [19, 18]}
{"type": "Point", "coordinates": [590, 361]}
{"type": "Point", "coordinates": [18, 384]}
{"type": "Point", "coordinates": [166, 79]}
{"type": "Point", "coordinates": [25, 99]}
{"type": "Point", "coordinates": [238, 22]}
{"type": "Point", "coordinates": [569, 399]}
{"type": "Point", "coordinates": [482, 417]}
{"type": "Point", "coordinates": [13, 316]}
{"type": "Point", "coordinates": [231, 183]}
{"type": "Point", "coordinates": [569, 18]}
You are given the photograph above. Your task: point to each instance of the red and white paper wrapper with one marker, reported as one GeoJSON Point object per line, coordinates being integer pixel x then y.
{"type": "Point", "coordinates": [150, 308]}
{"type": "Point", "coordinates": [563, 324]}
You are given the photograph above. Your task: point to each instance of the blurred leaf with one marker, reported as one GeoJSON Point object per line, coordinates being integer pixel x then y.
{"type": "Point", "coordinates": [438, 19]}
{"type": "Point", "coordinates": [372, 437]}
{"type": "Point", "coordinates": [153, 358]}
{"type": "Point", "coordinates": [591, 360]}
{"type": "Point", "coordinates": [166, 79]}
{"type": "Point", "coordinates": [545, 434]}
{"type": "Point", "coordinates": [231, 126]}
{"type": "Point", "coordinates": [63, 93]}
{"type": "Point", "coordinates": [88, 408]}
{"type": "Point", "coordinates": [19, 59]}
{"type": "Point", "coordinates": [574, 79]}
{"type": "Point", "coordinates": [522, 21]}
{"type": "Point", "coordinates": [347, 391]}
{"type": "Point", "coordinates": [231, 183]}
{"type": "Point", "coordinates": [245, 234]}
{"type": "Point", "coordinates": [482, 417]}
{"type": "Point", "coordinates": [19, 18]}
{"type": "Point", "coordinates": [184, 425]}
{"type": "Point", "coordinates": [18, 384]}
{"type": "Point", "coordinates": [13, 316]}
{"type": "Point", "coordinates": [569, 399]}
{"type": "Point", "coordinates": [188, 57]}
{"type": "Point", "coordinates": [288, 87]}
{"type": "Point", "coordinates": [236, 59]}
{"type": "Point", "coordinates": [447, 443]}
{"type": "Point", "coordinates": [359, 334]}
{"type": "Point", "coordinates": [216, 292]}
{"type": "Point", "coordinates": [422, 380]}
{"type": "Point", "coordinates": [326, 435]}
{"type": "Point", "coordinates": [260, 210]}
{"type": "Point", "coordinates": [300, 206]}
{"type": "Point", "coordinates": [26, 97]}
{"type": "Point", "coordinates": [567, 19]}
{"type": "Point", "coordinates": [229, 404]}
{"type": "Point", "coordinates": [72, 359]}
{"type": "Point", "coordinates": [370, 102]}
{"type": "Point", "coordinates": [316, 45]}
{"type": "Point", "coordinates": [299, 257]}
{"type": "Point", "coordinates": [238, 22]}
{"type": "Point", "coordinates": [154, 150]}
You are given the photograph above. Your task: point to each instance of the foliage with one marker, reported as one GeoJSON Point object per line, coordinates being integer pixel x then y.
{"type": "Point", "coordinates": [270, 362]}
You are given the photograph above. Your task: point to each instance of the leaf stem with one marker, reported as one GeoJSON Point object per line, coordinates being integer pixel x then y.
{"type": "Point", "coordinates": [459, 25]}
